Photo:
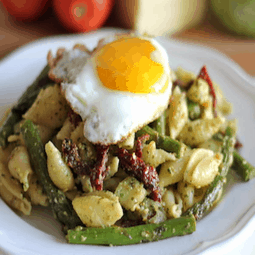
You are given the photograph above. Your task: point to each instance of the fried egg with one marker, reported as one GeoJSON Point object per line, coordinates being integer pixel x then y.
{"type": "Point", "coordinates": [124, 85]}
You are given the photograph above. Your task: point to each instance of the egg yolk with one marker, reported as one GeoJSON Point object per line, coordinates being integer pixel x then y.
{"type": "Point", "coordinates": [126, 65]}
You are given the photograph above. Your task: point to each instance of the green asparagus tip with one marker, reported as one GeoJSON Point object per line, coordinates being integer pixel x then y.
{"type": "Point", "coordinates": [243, 167]}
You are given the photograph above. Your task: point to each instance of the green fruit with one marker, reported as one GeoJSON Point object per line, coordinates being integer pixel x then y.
{"type": "Point", "coordinates": [237, 16]}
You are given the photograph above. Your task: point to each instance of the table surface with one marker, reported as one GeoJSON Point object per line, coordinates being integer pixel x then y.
{"type": "Point", "coordinates": [14, 34]}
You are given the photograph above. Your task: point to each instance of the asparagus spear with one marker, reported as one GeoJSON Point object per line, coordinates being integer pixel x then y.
{"type": "Point", "coordinates": [8, 127]}
{"type": "Point", "coordinates": [243, 167]}
{"type": "Point", "coordinates": [61, 206]}
{"type": "Point", "coordinates": [132, 235]}
{"type": "Point", "coordinates": [213, 192]}
{"type": "Point", "coordinates": [194, 110]}
{"type": "Point", "coordinates": [240, 165]}
{"type": "Point", "coordinates": [163, 142]}
{"type": "Point", "coordinates": [227, 151]}
{"type": "Point", "coordinates": [160, 124]}
{"type": "Point", "coordinates": [210, 198]}
{"type": "Point", "coordinates": [23, 104]}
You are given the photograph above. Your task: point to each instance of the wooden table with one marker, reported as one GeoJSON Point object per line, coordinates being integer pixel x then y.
{"type": "Point", "coordinates": [241, 50]}
{"type": "Point", "coordinates": [14, 34]}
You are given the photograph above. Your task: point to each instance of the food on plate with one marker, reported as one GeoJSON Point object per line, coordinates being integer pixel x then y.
{"type": "Point", "coordinates": [124, 149]}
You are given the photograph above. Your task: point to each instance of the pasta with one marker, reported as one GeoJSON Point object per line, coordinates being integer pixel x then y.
{"type": "Point", "coordinates": [65, 130]}
{"type": "Point", "coordinates": [156, 157]}
{"type": "Point", "coordinates": [184, 75]}
{"type": "Point", "coordinates": [20, 204]}
{"type": "Point", "coordinates": [35, 192]}
{"type": "Point", "coordinates": [172, 172]}
{"type": "Point", "coordinates": [49, 109]}
{"type": "Point", "coordinates": [128, 143]}
{"type": "Point", "coordinates": [11, 192]}
{"type": "Point", "coordinates": [131, 193]}
{"type": "Point", "coordinates": [202, 167]}
{"type": "Point", "coordinates": [198, 131]}
{"type": "Point", "coordinates": [172, 203]}
{"type": "Point", "coordinates": [113, 165]}
{"type": "Point", "coordinates": [19, 166]}
{"type": "Point", "coordinates": [199, 92]}
{"type": "Point", "coordinates": [59, 172]}
{"type": "Point", "coordinates": [98, 208]}
{"type": "Point", "coordinates": [178, 113]}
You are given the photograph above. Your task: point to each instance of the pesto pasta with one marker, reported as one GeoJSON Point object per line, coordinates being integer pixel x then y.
{"type": "Point", "coordinates": [150, 177]}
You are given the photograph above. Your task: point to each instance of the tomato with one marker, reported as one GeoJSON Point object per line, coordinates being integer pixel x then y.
{"type": "Point", "coordinates": [26, 10]}
{"type": "Point", "coordinates": [82, 15]}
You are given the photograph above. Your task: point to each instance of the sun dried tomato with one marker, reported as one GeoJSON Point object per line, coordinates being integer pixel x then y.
{"type": "Point", "coordinates": [139, 145]}
{"type": "Point", "coordinates": [99, 171]}
{"type": "Point", "coordinates": [72, 158]}
{"type": "Point", "coordinates": [238, 144]}
{"type": "Point", "coordinates": [204, 75]}
{"type": "Point", "coordinates": [135, 166]}
{"type": "Point", "coordinates": [74, 118]}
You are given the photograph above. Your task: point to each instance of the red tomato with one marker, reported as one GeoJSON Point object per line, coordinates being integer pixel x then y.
{"type": "Point", "coordinates": [82, 15]}
{"type": "Point", "coordinates": [25, 10]}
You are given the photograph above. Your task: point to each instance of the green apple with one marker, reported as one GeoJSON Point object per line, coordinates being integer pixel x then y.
{"type": "Point", "coordinates": [236, 15]}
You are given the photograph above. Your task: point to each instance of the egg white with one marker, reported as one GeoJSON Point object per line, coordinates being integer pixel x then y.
{"type": "Point", "coordinates": [111, 115]}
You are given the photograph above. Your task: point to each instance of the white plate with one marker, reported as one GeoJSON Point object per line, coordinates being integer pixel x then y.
{"type": "Point", "coordinates": [226, 227]}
